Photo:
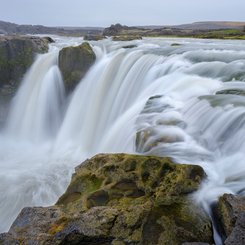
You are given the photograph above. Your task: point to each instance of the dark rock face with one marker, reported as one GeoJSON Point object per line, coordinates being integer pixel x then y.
{"type": "Point", "coordinates": [230, 213]}
{"type": "Point", "coordinates": [74, 62]}
{"type": "Point", "coordinates": [119, 199]}
{"type": "Point", "coordinates": [17, 53]}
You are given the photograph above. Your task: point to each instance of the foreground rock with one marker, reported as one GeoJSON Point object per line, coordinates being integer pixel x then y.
{"type": "Point", "coordinates": [119, 199]}
{"type": "Point", "coordinates": [74, 62]}
{"type": "Point", "coordinates": [17, 53]}
{"type": "Point", "coordinates": [230, 214]}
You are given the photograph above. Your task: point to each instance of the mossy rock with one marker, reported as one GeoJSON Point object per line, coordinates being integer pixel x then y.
{"type": "Point", "coordinates": [122, 199]}
{"type": "Point", "coordinates": [74, 62]}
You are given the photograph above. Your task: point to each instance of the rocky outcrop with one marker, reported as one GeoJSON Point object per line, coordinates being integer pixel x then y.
{"type": "Point", "coordinates": [17, 53]}
{"type": "Point", "coordinates": [119, 199]}
{"type": "Point", "coordinates": [230, 217]}
{"type": "Point", "coordinates": [114, 30]}
{"type": "Point", "coordinates": [119, 32]}
{"type": "Point", "coordinates": [74, 62]}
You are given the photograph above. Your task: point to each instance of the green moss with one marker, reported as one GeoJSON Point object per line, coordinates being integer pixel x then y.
{"type": "Point", "coordinates": [58, 226]}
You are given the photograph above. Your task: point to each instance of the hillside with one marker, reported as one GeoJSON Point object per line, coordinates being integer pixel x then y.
{"type": "Point", "coordinates": [11, 28]}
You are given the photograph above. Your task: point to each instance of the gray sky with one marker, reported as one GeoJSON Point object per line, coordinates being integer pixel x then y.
{"type": "Point", "coordinates": [128, 12]}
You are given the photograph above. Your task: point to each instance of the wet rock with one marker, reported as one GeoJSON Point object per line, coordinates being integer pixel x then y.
{"type": "Point", "coordinates": [120, 199]}
{"type": "Point", "coordinates": [175, 44]}
{"type": "Point", "coordinates": [230, 216]}
{"type": "Point", "coordinates": [74, 62]}
{"type": "Point", "coordinates": [130, 46]}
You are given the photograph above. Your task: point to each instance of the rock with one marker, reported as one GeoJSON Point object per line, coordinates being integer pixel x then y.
{"type": "Point", "coordinates": [49, 39]}
{"type": "Point", "coordinates": [120, 199]}
{"type": "Point", "coordinates": [126, 38]}
{"type": "Point", "coordinates": [74, 62]}
{"type": "Point", "coordinates": [175, 44]}
{"type": "Point", "coordinates": [17, 53]}
{"type": "Point", "coordinates": [90, 37]}
{"type": "Point", "coordinates": [130, 46]}
{"type": "Point", "coordinates": [114, 30]}
{"type": "Point", "coordinates": [230, 216]}
{"type": "Point", "coordinates": [237, 236]}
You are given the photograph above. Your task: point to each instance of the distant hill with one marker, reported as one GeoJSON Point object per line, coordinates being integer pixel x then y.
{"type": "Point", "coordinates": [212, 25]}
{"type": "Point", "coordinates": [11, 28]}
{"type": "Point", "coordinates": [204, 25]}
{"type": "Point", "coordinates": [151, 30]}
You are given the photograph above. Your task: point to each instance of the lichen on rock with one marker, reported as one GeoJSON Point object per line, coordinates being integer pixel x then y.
{"type": "Point", "coordinates": [17, 53]}
{"type": "Point", "coordinates": [120, 199]}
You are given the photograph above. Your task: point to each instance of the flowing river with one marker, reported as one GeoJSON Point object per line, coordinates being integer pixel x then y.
{"type": "Point", "coordinates": [196, 115]}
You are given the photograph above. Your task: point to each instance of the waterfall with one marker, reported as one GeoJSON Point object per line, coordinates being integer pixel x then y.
{"type": "Point", "coordinates": [36, 110]}
{"type": "Point", "coordinates": [189, 99]}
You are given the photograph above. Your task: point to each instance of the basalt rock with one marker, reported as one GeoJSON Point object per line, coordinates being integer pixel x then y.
{"type": "Point", "coordinates": [230, 216]}
{"type": "Point", "coordinates": [74, 62]}
{"type": "Point", "coordinates": [120, 199]}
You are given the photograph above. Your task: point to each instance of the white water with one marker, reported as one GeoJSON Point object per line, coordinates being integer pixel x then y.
{"type": "Point", "coordinates": [47, 134]}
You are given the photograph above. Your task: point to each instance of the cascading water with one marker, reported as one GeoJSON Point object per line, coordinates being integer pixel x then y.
{"type": "Point", "coordinates": [195, 115]}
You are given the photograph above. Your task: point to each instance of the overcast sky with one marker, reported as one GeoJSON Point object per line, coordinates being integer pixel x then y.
{"type": "Point", "coordinates": [128, 12]}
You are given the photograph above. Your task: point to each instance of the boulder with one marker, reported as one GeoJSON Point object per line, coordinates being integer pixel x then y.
{"type": "Point", "coordinates": [120, 199]}
{"type": "Point", "coordinates": [230, 216]}
{"type": "Point", "coordinates": [74, 62]}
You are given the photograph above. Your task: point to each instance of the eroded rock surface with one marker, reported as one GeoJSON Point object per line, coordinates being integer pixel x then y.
{"type": "Point", "coordinates": [120, 199]}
